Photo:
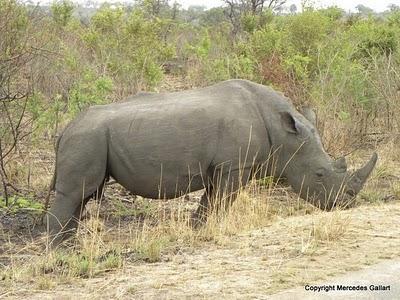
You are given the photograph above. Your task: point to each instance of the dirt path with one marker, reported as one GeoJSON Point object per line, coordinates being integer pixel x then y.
{"type": "Point", "coordinates": [291, 252]}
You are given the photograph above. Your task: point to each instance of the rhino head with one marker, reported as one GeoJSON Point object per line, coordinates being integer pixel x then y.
{"type": "Point", "coordinates": [311, 172]}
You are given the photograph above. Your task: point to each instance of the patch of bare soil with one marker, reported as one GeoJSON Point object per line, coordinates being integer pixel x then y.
{"type": "Point", "coordinates": [290, 252]}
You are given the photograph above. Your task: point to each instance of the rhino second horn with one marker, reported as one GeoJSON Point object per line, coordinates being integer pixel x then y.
{"type": "Point", "coordinates": [340, 165]}
{"type": "Point", "coordinates": [309, 114]}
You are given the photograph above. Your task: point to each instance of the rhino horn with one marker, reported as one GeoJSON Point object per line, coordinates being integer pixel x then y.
{"type": "Point", "coordinates": [360, 176]}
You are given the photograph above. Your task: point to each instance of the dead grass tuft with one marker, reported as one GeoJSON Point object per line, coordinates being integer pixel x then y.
{"type": "Point", "coordinates": [330, 228]}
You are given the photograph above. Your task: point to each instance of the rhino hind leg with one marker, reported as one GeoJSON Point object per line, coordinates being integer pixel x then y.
{"type": "Point", "coordinates": [77, 182]}
{"type": "Point", "coordinates": [62, 220]}
{"type": "Point", "coordinates": [65, 214]}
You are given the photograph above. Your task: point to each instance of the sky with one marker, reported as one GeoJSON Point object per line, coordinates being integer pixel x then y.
{"type": "Point", "coordinates": [377, 5]}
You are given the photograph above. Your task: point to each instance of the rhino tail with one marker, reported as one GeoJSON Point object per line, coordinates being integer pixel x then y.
{"type": "Point", "coordinates": [52, 185]}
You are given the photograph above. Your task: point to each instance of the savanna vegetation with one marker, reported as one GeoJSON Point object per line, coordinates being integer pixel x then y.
{"type": "Point", "coordinates": [56, 61]}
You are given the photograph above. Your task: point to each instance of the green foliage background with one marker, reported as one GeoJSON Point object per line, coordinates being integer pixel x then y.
{"type": "Point", "coordinates": [121, 50]}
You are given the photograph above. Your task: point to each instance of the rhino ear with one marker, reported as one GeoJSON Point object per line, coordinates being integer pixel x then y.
{"type": "Point", "coordinates": [309, 114]}
{"type": "Point", "coordinates": [290, 123]}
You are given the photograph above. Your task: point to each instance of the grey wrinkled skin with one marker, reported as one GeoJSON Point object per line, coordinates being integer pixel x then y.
{"type": "Point", "coordinates": [217, 138]}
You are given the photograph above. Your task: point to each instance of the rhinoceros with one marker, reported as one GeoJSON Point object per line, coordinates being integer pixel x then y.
{"type": "Point", "coordinates": [214, 138]}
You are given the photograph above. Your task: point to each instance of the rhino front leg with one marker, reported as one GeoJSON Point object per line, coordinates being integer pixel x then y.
{"type": "Point", "coordinates": [199, 217]}
{"type": "Point", "coordinates": [228, 188]}
{"type": "Point", "coordinates": [220, 195]}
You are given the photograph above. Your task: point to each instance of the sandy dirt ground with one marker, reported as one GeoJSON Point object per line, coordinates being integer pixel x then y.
{"type": "Point", "coordinates": [255, 264]}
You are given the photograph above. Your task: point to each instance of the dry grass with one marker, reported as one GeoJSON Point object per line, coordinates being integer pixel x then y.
{"type": "Point", "coordinates": [98, 249]}
{"type": "Point", "coordinates": [283, 252]}
{"type": "Point", "coordinates": [330, 228]}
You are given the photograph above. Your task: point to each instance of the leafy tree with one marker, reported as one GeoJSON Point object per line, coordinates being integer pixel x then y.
{"type": "Point", "coordinates": [154, 8]}
{"type": "Point", "coordinates": [364, 10]}
{"type": "Point", "coordinates": [239, 11]}
{"type": "Point", "coordinates": [214, 16]}
{"type": "Point", "coordinates": [393, 7]}
{"type": "Point", "coordinates": [62, 12]}
{"type": "Point", "coordinates": [18, 51]}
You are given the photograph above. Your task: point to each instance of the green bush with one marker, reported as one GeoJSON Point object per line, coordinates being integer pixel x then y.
{"type": "Point", "coordinates": [129, 46]}
{"type": "Point", "coordinates": [305, 32]}
{"type": "Point", "coordinates": [373, 39]}
{"type": "Point", "coordinates": [266, 41]}
{"type": "Point", "coordinates": [89, 91]}
{"type": "Point", "coordinates": [62, 12]}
